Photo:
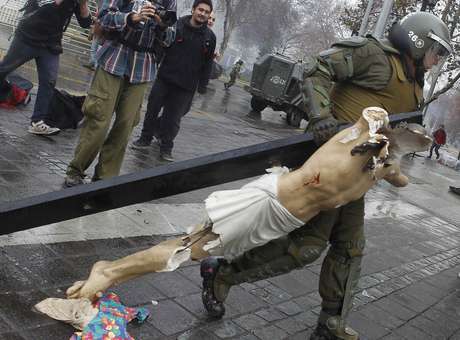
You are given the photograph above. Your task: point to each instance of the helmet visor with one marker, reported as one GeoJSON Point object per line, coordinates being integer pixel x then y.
{"type": "Point", "coordinates": [435, 56]}
{"type": "Point", "coordinates": [443, 47]}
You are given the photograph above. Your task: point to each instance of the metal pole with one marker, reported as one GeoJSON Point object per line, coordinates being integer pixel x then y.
{"type": "Point", "coordinates": [383, 18]}
{"type": "Point", "coordinates": [364, 23]}
{"type": "Point", "coordinates": [162, 181]}
{"type": "Point", "coordinates": [434, 80]}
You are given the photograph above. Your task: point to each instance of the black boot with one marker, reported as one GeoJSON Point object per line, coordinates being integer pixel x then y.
{"type": "Point", "coordinates": [208, 269]}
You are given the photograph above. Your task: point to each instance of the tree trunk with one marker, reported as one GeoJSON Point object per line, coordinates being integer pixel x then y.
{"type": "Point", "coordinates": [228, 26]}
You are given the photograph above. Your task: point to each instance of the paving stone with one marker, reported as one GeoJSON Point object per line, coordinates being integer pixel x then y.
{"type": "Point", "coordinates": [409, 302]}
{"type": "Point", "coordinates": [52, 272]}
{"type": "Point", "coordinates": [27, 253]}
{"type": "Point", "coordinates": [448, 323]}
{"type": "Point", "coordinates": [4, 326]}
{"type": "Point", "coordinates": [306, 302]}
{"type": "Point", "coordinates": [381, 317]}
{"type": "Point", "coordinates": [395, 308]}
{"type": "Point", "coordinates": [308, 318]}
{"type": "Point", "coordinates": [173, 284]}
{"type": "Point", "coordinates": [422, 289]}
{"type": "Point", "coordinates": [289, 308]}
{"type": "Point", "coordinates": [17, 308]}
{"type": "Point", "coordinates": [363, 325]}
{"type": "Point", "coordinates": [169, 318]}
{"type": "Point", "coordinates": [291, 325]}
{"type": "Point", "coordinates": [247, 337]}
{"type": "Point", "coordinates": [410, 332]}
{"type": "Point", "coordinates": [193, 304]}
{"type": "Point", "coordinates": [11, 336]}
{"type": "Point", "coordinates": [139, 291]}
{"type": "Point", "coordinates": [367, 281]}
{"type": "Point", "coordinates": [225, 329]}
{"type": "Point", "coordinates": [443, 282]}
{"type": "Point", "coordinates": [272, 294]}
{"type": "Point", "coordinates": [391, 337]}
{"type": "Point", "coordinates": [270, 333]}
{"type": "Point", "coordinates": [270, 314]}
{"type": "Point", "coordinates": [196, 334]}
{"type": "Point", "coordinates": [14, 279]}
{"type": "Point", "coordinates": [112, 246]}
{"type": "Point", "coordinates": [250, 322]}
{"type": "Point", "coordinates": [455, 336]}
{"type": "Point", "coordinates": [58, 330]}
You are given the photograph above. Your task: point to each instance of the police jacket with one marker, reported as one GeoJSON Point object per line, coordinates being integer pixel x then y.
{"type": "Point", "coordinates": [362, 72]}
{"type": "Point", "coordinates": [44, 22]}
{"type": "Point", "coordinates": [188, 61]}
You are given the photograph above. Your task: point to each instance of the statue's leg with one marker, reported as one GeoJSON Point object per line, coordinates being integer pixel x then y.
{"type": "Point", "coordinates": [300, 247]}
{"type": "Point", "coordinates": [340, 273]}
{"type": "Point", "coordinates": [165, 256]}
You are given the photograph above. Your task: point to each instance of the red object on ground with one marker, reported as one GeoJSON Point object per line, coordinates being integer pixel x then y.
{"type": "Point", "coordinates": [15, 97]}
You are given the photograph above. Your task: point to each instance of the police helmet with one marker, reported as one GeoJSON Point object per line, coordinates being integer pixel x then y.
{"type": "Point", "coordinates": [419, 32]}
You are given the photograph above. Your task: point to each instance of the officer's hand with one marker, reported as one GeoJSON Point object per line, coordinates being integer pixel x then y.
{"type": "Point", "coordinates": [323, 129]}
{"type": "Point", "coordinates": [202, 89]}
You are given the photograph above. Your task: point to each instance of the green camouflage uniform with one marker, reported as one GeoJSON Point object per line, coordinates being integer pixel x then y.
{"type": "Point", "coordinates": [234, 74]}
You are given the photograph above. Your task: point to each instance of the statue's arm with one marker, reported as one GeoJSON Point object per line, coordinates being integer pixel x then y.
{"type": "Point", "coordinates": [394, 176]}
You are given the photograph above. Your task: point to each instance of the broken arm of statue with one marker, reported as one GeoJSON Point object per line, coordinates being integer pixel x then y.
{"type": "Point", "coordinates": [341, 171]}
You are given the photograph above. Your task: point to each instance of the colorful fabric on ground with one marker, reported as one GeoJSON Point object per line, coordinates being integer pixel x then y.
{"type": "Point", "coordinates": [111, 321]}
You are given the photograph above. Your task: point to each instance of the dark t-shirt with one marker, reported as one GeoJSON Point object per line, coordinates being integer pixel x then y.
{"type": "Point", "coordinates": [188, 62]}
{"type": "Point", "coordinates": [44, 22]}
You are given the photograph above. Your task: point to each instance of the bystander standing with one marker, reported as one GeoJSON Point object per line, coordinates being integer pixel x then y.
{"type": "Point", "coordinates": [186, 67]}
{"type": "Point", "coordinates": [126, 65]}
{"type": "Point", "coordinates": [439, 139]}
{"type": "Point", "coordinates": [39, 36]}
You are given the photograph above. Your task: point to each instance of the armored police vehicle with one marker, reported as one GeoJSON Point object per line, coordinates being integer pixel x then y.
{"type": "Point", "coordinates": [275, 82]}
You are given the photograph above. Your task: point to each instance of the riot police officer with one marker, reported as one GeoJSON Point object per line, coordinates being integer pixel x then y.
{"type": "Point", "coordinates": [234, 74]}
{"type": "Point", "coordinates": [353, 74]}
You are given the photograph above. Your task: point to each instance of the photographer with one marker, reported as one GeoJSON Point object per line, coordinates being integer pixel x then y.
{"type": "Point", "coordinates": [186, 68]}
{"type": "Point", "coordinates": [39, 36]}
{"type": "Point", "coordinates": [126, 64]}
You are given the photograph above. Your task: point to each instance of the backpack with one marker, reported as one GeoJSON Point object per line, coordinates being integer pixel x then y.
{"type": "Point", "coordinates": [64, 111]}
{"type": "Point", "coordinates": [14, 91]}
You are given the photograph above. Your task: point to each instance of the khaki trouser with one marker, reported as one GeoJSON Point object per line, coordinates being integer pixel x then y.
{"type": "Point", "coordinates": [108, 94]}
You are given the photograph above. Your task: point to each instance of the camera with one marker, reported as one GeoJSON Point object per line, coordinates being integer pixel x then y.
{"type": "Point", "coordinates": [169, 18]}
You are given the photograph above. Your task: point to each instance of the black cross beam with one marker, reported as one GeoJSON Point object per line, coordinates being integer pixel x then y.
{"type": "Point", "coordinates": [162, 181]}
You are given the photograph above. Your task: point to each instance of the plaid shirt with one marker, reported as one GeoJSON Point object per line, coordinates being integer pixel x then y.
{"type": "Point", "coordinates": [121, 60]}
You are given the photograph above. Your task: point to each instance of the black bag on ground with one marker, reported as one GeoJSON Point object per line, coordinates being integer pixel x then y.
{"type": "Point", "coordinates": [64, 111]}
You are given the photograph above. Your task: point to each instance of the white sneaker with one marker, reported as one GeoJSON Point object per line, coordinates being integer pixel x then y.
{"type": "Point", "coordinates": [40, 128]}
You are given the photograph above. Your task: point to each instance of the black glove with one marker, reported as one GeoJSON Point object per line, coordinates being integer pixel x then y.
{"type": "Point", "coordinates": [202, 89]}
{"type": "Point", "coordinates": [323, 129]}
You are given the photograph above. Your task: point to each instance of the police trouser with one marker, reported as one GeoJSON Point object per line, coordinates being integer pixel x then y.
{"type": "Point", "coordinates": [231, 82]}
{"type": "Point", "coordinates": [342, 228]}
{"type": "Point", "coordinates": [175, 102]}
{"type": "Point", "coordinates": [108, 94]}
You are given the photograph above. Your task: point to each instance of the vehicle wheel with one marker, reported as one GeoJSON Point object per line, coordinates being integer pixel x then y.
{"type": "Point", "coordinates": [294, 117]}
{"type": "Point", "coordinates": [257, 104]}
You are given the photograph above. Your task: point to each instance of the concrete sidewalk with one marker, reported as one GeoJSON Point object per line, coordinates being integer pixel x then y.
{"type": "Point", "coordinates": [409, 288]}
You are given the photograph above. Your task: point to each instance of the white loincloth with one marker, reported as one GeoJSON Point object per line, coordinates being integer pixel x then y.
{"type": "Point", "coordinates": [248, 217]}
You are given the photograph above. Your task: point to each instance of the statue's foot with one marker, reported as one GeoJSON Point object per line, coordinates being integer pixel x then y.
{"type": "Point", "coordinates": [97, 282]}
